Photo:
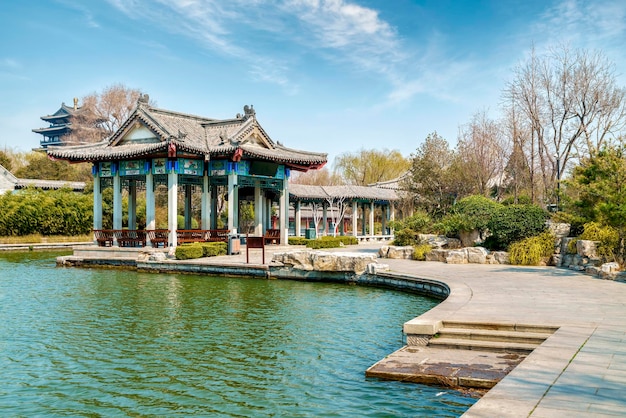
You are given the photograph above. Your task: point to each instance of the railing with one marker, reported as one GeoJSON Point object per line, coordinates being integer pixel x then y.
{"type": "Point", "coordinates": [123, 237]}
{"type": "Point", "coordinates": [202, 235]}
{"type": "Point", "coordinates": [159, 237]}
{"type": "Point", "coordinates": [272, 236]}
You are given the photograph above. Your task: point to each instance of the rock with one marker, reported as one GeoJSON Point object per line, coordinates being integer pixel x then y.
{"type": "Point", "coordinates": [157, 256]}
{"type": "Point", "coordinates": [470, 238]}
{"type": "Point", "coordinates": [592, 270]}
{"type": "Point", "coordinates": [501, 257]}
{"type": "Point", "coordinates": [457, 256]}
{"type": "Point", "coordinates": [383, 251]}
{"type": "Point", "coordinates": [559, 230]}
{"type": "Point", "coordinates": [439, 241]}
{"type": "Point", "coordinates": [403, 253]}
{"type": "Point", "coordinates": [374, 268]}
{"type": "Point", "coordinates": [312, 260]}
{"type": "Point", "coordinates": [586, 248]}
{"type": "Point", "coordinates": [612, 267]}
{"type": "Point", "coordinates": [437, 255]}
{"type": "Point", "coordinates": [477, 255]}
{"type": "Point", "coordinates": [557, 260]}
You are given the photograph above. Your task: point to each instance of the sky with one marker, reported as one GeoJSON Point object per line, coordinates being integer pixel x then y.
{"type": "Point", "coordinates": [330, 76]}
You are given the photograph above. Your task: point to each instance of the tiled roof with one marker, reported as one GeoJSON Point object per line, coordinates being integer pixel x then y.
{"type": "Point", "coordinates": [194, 134]}
{"type": "Point", "coordinates": [50, 184]}
{"type": "Point", "coordinates": [307, 192]}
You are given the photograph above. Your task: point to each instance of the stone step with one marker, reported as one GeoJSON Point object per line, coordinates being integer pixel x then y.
{"type": "Point", "coordinates": [492, 346]}
{"type": "Point", "coordinates": [494, 335]}
{"type": "Point", "coordinates": [496, 326]}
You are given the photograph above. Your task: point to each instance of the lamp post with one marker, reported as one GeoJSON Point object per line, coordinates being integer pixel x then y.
{"type": "Point", "coordinates": [558, 181]}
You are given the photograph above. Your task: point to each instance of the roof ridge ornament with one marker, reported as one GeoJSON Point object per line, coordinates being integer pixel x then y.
{"type": "Point", "coordinates": [143, 99]}
{"type": "Point", "coordinates": [249, 111]}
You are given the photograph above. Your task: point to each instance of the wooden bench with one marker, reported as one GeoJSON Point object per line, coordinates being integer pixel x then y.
{"type": "Point", "coordinates": [218, 235]}
{"type": "Point", "coordinates": [104, 237]}
{"type": "Point", "coordinates": [130, 237]}
{"type": "Point", "coordinates": [192, 235]}
{"type": "Point", "coordinates": [159, 237]}
{"type": "Point", "coordinates": [272, 236]}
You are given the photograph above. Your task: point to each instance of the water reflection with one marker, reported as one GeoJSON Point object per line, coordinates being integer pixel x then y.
{"type": "Point", "coordinates": [109, 342]}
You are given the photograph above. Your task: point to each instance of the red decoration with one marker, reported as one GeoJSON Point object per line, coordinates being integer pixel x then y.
{"type": "Point", "coordinates": [237, 155]}
{"type": "Point", "coordinates": [171, 150]}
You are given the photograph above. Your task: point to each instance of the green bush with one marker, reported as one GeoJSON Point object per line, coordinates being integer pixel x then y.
{"type": "Point", "coordinates": [331, 242]}
{"type": "Point", "coordinates": [530, 251]}
{"type": "Point", "coordinates": [514, 223]}
{"type": "Point", "coordinates": [212, 249]}
{"type": "Point", "coordinates": [420, 251]}
{"type": "Point", "coordinates": [571, 246]}
{"type": "Point", "coordinates": [405, 236]}
{"type": "Point", "coordinates": [419, 222]}
{"type": "Point", "coordinates": [189, 251]}
{"type": "Point", "coordinates": [606, 236]}
{"type": "Point", "coordinates": [297, 240]}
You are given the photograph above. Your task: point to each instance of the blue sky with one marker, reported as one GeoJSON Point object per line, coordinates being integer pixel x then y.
{"type": "Point", "coordinates": [331, 76]}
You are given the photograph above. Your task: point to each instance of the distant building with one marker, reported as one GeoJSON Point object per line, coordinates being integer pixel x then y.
{"type": "Point", "coordinates": [60, 128]}
{"type": "Point", "coordinates": [9, 183]}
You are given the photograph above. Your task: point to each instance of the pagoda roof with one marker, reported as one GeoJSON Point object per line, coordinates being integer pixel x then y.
{"type": "Point", "coordinates": [350, 192]}
{"type": "Point", "coordinates": [153, 131]}
{"type": "Point", "coordinates": [52, 129]}
{"type": "Point", "coordinates": [64, 112]}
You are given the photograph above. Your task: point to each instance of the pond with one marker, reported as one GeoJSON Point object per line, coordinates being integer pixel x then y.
{"type": "Point", "coordinates": [97, 342]}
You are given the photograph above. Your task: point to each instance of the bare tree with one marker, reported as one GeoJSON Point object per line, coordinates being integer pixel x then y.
{"type": "Point", "coordinates": [321, 177]}
{"type": "Point", "coordinates": [337, 216]}
{"type": "Point", "coordinates": [101, 114]}
{"type": "Point", "coordinates": [572, 104]}
{"type": "Point", "coordinates": [482, 153]}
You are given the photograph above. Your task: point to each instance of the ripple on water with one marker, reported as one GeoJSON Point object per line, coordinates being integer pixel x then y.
{"type": "Point", "coordinates": [100, 342]}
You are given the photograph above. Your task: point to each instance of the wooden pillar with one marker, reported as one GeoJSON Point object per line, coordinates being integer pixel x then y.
{"type": "Point", "coordinates": [117, 200]}
{"type": "Point", "coordinates": [283, 209]}
{"type": "Point", "coordinates": [355, 218]}
{"type": "Point", "coordinates": [297, 214]}
{"type": "Point", "coordinates": [325, 218]}
{"type": "Point", "coordinates": [372, 218]}
{"type": "Point", "coordinates": [206, 203]}
{"type": "Point", "coordinates": [232, 183]}
{"type": "Point", "coordinates": [188, 211]}
{"type": "Point", "coordinates": [132, 204]}
{"type": "Point", "coordinates": [172, 207]}
{"type": "Point", "coordinates": [258, 209]}
{"type": "Point", "coordinates": [97, 201]}
{"type": "Point", "coordinates": [150, 205]}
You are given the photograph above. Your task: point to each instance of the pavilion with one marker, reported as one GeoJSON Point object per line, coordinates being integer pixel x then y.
{"type": "Point", "coordinates": [187, 153]}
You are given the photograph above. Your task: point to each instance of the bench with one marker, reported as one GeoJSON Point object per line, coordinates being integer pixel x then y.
{"type": "Point", "coordinates": [130, 237]}
{"type": "Point", "coordinates": [159, 237]}
{"type": "Point", "coordinates": [218, 235]}
{"type": "Point", "coordinates": [192, 235]}
{"type": "Point", "coordinates": [272, 236]}
{"type": "Point", "coordinates": [104, 237]}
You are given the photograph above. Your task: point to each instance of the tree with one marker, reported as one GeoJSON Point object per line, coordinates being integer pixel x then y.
{"type": "Point", "coordinates": [39, 166]}
{"type": "Point", "coordinates": [434, 180]}
{"type": "Point", "coordinates": [103, 113]}
{"type": "Point", "coordinates": [370, 166]}
{"type": "Point", "coordinates": [572, 104]}
{"type": "Point", "coordinates": [321, 177]}
{"type": "Point", "coordinates": [6, 161]}
{"type": "Point", "coordinates": [482, 153]}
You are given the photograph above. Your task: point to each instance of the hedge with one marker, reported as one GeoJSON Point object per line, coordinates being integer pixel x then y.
{"type": "Point", "coordinates": [530, 251]}
{"type": "Point", "coordinates": [332, 242]}
{"type": "Point", "coordinates": [200, 249]}
{"type": "Point", "coordinates": [297, 241]}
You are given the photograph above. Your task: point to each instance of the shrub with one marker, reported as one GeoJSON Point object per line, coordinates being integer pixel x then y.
{"type": "Point", "coordinates": [514, 223]}
{"type": "Point", "coordinates": [571, 246]}
{"type": "Point", "coordinates": [419, 222]}
{"type": "Point", "coordinates": [212, 249]}
{"type": "Point", "coordinates": [420, 251]}
{"type": "Point", "coordinates": [530, 251]}
{"type": "Point", "coordinates": [606, 236]}
{"type": "Point", "coordinates": [297, 240]}
{"type": "Point", "coordinates": [189, 251]}
{"type": "Point", "coordinates": [405, 236]}
{"type": "Point", "coordinates": [331, 242]}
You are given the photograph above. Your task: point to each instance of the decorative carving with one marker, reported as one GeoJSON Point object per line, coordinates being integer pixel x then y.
{"type": "Point", "coordinates": [143, 99]}
{"type": "Point", "coordinates": [249, 110]}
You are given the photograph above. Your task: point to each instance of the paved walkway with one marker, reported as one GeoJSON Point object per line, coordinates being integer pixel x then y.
{"type": "Point", "coordinates": [579, 371]}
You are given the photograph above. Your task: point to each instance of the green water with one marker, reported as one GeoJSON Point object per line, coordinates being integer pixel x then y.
{"type": "Point", "coordinates": [81, 342]}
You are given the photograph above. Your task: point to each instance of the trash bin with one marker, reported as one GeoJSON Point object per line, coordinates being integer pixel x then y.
{"type": "Point", "coordinates": [234, 244]}
{"type": "Point", "coordinates": [309, 233]}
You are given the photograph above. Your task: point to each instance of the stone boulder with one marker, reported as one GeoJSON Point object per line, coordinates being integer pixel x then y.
{"type": "Point", "coordinates": [477, 255]}
{"type": "Point", "coordinates": [559, 230]}
{"type": "Point", "coordinates": [586, 248]}
{"type": "Point", "coordinates": [403, 253]}
{"type": "Point", "coordinates": [437, 255]}
{"type": "Point", "coordinates": [439, 241]}
{"type": "Point", "coordinates": [457, 256]}
{"type": "Point", "coordinates": [501, 257]}
{"type": "Point", "coordinates": [313, 260]}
